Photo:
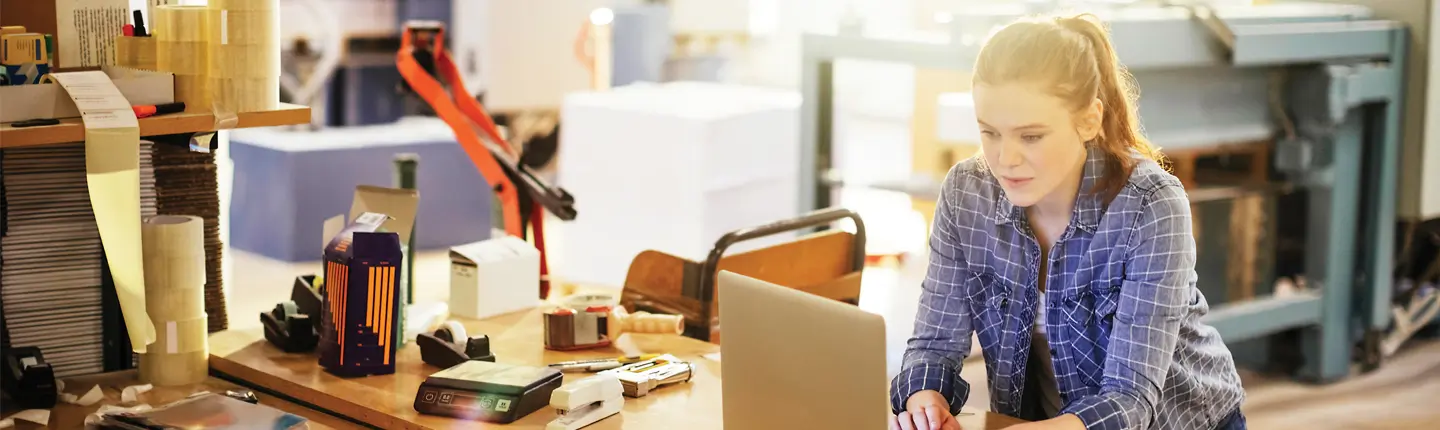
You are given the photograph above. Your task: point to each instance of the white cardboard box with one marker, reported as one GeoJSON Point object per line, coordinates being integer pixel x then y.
{"type": "Point", "coordinates": [50, 101]}
{"type": "Point", "coordinates": [671, 167]}
{"type": "Point", "coordinates": [493, 277]}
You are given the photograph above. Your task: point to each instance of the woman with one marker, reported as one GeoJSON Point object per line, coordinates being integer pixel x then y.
{"type": "Point", "coordinates": [1067, 249]}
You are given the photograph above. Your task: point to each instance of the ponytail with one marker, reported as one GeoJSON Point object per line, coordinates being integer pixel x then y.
{"type": "Point", "coordinates": [1074, 55]}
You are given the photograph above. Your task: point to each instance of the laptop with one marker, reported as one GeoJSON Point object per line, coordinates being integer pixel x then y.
{"type": "Point", "coordinates": [793, 360]}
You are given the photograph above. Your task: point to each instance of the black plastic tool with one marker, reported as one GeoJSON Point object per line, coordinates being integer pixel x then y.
{"type": "Point", "coordinates": [294, 325]}
{"type": "Point", "coordinates": [442, 349]}
{"type": "Point", "coordinates": [28, 379]}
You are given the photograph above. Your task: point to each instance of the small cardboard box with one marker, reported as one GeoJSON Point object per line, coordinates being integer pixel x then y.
{"type": "Point", "coordinates": [493, 277]}
{"type": "Point", "coordinates": [363, 318]}
{"type": "Point", "coordinates": [42, 101]}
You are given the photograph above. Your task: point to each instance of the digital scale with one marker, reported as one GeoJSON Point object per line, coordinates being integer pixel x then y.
{"type": "Point", "coordinates": [485, 391]}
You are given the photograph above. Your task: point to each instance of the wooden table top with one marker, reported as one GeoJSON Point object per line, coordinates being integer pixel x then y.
{"type": "Point", "coordinates": [387, 401]}
{"type": "Point", "coordinates": [68, 416]}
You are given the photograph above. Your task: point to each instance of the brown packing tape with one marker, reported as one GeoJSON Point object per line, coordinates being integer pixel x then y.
{"type": "Point", "coordinates": [245, 61]}
{"type": "Point", "coordinates": [188, 58]}
{"type": "Point", "coordinates": [182, 24]}
{"type": "Point", "coordinates": [241, 27]}
{"type": "Point", "coordinates": [246, 94]}
{"type": "Point", "coordinates": [169, 370]}
{"type": "Point", "coordinates": [247, 5]}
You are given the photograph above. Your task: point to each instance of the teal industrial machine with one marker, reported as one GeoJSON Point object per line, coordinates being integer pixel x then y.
{"type": "Point", "coordinates": [1208, 77]}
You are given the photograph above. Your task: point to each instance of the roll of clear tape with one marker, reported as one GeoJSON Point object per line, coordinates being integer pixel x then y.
{"type": "Point", "coordinates": [174, 23]}
{"type": "Point", "coordinates": [246, 94]}
{"type": "Point", "coordinates": [136, 52]}
{"type": "Point", "coordinates": [180, 354]}
{"type": "Point", "coordinates": [245, 61]}
{"type": "Point", "coordinates": [188, 58]}
{"type": "Point", "coordinates": [195, 92]}
{"type": "Point", "coordinates": [241, 27]}
{"type": "Point", "coordinates": [246, 5]}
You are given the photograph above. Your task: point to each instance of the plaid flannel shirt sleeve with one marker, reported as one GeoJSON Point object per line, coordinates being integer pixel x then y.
{"type": "Point", "coordinates": [943, 323]}
{"type": "Point", "coordinates": [1158, 285]}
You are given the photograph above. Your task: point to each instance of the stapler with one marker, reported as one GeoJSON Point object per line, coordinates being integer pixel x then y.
{"type": "Point", "coordinates": [450, 345]}
{"type": "Point", "coordinates": [29, 379]}
{"type": "Point", "coordinates": [294, 325]}
{"type": "Point", "coordinates": [586, 401]}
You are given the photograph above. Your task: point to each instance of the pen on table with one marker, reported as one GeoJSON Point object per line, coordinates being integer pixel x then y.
{"type": "Point", "coordinates": [600, 364]}
{"type": "Point", "coordinates": [160, 109]}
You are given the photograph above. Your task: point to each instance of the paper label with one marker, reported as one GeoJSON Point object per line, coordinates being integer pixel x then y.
{"type": "Point", "coordinates": [172, 338]}
{"type": "Point", "coordinates": [101, 105]}
{"type": "Point", "coordinates": [224, 27]}
{"type": "Point", "coordinates": [87, 29]}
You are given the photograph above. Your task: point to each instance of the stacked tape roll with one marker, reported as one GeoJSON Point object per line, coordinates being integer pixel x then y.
{"type": "Point", "coordinates": [245, 70]}
{"type": "Point", "coordinates": [186, 184]}
{"type": "Point", "coordinates": [183, 47]}
{"type": "Point", "coordinates": [175, 297]}
{"type": "Point", "coordinates": [135, 52]}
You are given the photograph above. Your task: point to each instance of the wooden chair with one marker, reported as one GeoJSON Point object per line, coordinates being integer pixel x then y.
{"type": "Point", "coordinates": [826, 263]}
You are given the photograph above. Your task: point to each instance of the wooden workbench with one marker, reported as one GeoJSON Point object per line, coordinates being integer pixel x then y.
{"type": "Point", "coordinates": [68, 416]}
{"type": "Point", "coordinates": [387, 401]}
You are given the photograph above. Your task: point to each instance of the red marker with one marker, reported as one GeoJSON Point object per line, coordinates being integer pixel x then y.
{"type": "Point", "coordinates": [160, 109]}
{"type": "Point", "coordinates": [128, 30]}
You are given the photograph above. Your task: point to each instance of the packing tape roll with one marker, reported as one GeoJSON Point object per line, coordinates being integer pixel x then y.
{"type": "Point", "coordinates": [194, 91]}
{"type": "Point", "coordinates": [174, 23]}
{"type": "Point", "coordinates": [246, 5]}
{"type": "Point", "coordinates": [175, 369]}
{"type": "Point", "coordinates": [182, 336]}
{"type": "Point", "coordinates": [244, 27]}
{"type": "Point", "coordinates": [136, 52]}
{"type": "Point", "coordinates": [183, 58]}
{"type": "Point", "coordinates": [174, 263]}
{"type": "Point", "coordinates": [246, 94]}
{"type": "Point", "coordinates": [245, 61]}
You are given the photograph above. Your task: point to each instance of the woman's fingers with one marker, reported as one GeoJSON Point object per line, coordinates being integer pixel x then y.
{"type": "Point", "coordinates": [906, 423]}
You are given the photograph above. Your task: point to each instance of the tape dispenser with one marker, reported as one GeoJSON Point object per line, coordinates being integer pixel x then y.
{"type": "Point", "coordinates": [294, 325]}
{"type": "Point", "coordinates": [450, 346]}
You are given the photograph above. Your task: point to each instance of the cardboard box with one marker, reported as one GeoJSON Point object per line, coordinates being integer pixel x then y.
{"type": "Point", "coordinates": [494, 277]}
{"type": "Point", "coordinates": [363, 316]}
{"type": "Point", "coordinates": [51, 101]}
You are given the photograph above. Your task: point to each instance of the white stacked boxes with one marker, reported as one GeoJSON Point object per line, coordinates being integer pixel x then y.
{"type": "Point", "coordinates": [671, 167]}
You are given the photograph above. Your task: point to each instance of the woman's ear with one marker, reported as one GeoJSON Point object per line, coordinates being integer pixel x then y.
{"type": "Point", "coordinates": [1091, 121]}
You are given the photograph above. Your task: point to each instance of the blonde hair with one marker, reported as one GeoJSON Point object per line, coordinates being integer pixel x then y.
{"type": "Point", "coordinates": [1073, 56]}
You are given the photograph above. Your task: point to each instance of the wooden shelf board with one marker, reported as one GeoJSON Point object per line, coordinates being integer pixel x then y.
{"type": "Point", "coordinates": [72, 130]}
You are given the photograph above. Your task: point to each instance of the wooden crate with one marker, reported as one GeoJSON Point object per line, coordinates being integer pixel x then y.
{"type": "Point", "coordinates": [1233, 216]}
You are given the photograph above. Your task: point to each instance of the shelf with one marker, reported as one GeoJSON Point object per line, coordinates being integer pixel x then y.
{"type": "Point", "coordinates": [72, 130]}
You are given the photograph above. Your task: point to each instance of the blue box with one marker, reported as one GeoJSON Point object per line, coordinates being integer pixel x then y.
{"type": "Point", "coordinates": [287, 183]}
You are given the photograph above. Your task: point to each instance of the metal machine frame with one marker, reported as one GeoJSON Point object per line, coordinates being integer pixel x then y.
{"type": "Point", "coordinates": [1346, 93]}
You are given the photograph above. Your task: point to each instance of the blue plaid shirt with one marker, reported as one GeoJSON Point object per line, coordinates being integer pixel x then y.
{"type": "Point", "coordinates": [1121, 309]}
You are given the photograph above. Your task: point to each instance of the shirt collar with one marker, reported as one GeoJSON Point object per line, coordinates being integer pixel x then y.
{"type": "Point", "coordinates": [1088, 205]}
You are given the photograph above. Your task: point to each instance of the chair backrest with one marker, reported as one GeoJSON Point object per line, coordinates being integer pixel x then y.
{"type": "Point", "coordinates": [826, 263]}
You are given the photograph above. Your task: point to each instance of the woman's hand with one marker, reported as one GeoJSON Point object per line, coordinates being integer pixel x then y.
{"type": "Point", "coordinates": [925, 410]}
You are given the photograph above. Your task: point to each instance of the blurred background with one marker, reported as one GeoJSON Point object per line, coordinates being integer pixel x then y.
{"type": "Point", "coordinates": [1302, 130]}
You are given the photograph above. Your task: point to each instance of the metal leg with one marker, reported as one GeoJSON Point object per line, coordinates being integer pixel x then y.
{"type": "Point", "coordinates": [816, 129]}
{"type": "Point", "coordinates": [1382, 181]}
{"type": "Point", "coordinates": [1334, 205]}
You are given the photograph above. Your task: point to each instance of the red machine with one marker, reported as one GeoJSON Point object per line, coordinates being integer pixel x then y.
{"type": "Point", "coordinates": [523, 196]}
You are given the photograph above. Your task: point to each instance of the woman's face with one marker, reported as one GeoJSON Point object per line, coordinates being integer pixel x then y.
{"type": "Point", "coordinates": [1031, 140]}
